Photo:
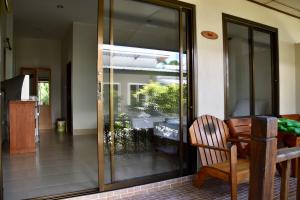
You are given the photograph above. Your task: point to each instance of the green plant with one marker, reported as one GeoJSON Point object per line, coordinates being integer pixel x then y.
{"type": "Point", "coordinates": [173, 62]}
{"type": "Point", "coordinates": [161, 98]}
{"type": "Point", "coordinates": [44, 94]}
{"type": "Point", "coordinates": [122, 122]}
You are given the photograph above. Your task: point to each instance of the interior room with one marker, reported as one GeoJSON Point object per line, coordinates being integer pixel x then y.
{"type": "Point", "coordinates": [58, 161]}
{"type": "Point", "coordinates": [54, 58]}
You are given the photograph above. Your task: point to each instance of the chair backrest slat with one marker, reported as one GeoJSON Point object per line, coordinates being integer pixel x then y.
{"type": "Point", "coordinates": [222, 143]}
{"type": "Point", "coordinates": [215, 141]}
{"type": "Point", "coordinates": [224, 132]}
{"type": "Point", "coordinates": [196, 139]}
{"type": "Point", "coordinates": [208, 135]}
{"type": "Point", "coordinates": [210, 131]}
{"type": "Point", "coordinates": [203, 136]}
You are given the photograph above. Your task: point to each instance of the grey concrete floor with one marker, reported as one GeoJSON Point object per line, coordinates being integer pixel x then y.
{"type": "Point", "coordinates": [64, 164]}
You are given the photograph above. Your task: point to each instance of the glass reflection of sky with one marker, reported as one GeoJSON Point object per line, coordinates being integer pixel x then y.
{"type": "Point", "coordinates": [132, 58]}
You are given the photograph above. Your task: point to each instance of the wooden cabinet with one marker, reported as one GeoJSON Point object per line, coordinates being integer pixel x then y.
{"type": "Point", "coordinates": [22, 126]}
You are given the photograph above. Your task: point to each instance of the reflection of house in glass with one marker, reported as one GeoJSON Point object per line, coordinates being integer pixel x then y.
{"type": "Point", "coordinates": [146, 89]}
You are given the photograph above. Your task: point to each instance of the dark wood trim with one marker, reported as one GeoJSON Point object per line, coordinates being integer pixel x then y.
{"type": "Point", "coordinates": [263, 158]}
{"type": "Point", "coordinates": [275, 53]}
{"type": "Point", "coordinates": [1, 156]}
{"type": "Point", "coordinates": [275, 60]}
{"type": "Point", "coordinates": [275, 9]}
{"type": "Point", "coordinates": [180, 89]}
{"type": "Point", "coordinates": [251, 71]}
{"type": "Point", "coordinates": [69, 106]}
{"type": "Point", "coordinates": [68, 195]}
{"type": "Point", "coordinates": [246, 22]}
{"type": "Point", "coordinates": [176, 4]}
{"type": "Point", "coordinates": [192, 77]}
{"type": "Point", "coordinates": [225, 66]}
{"type": "Point", "coordinates": [100, 118]}
{"type": "Point", "coordinates": [111, 93]}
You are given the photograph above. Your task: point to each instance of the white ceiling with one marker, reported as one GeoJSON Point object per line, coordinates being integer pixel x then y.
{"type": "Point", "coordinates": [288, 6]}
{"type": "Point", "coordinates": [41, 18]}
{"type": "Point", "coordinates": [135, 24]}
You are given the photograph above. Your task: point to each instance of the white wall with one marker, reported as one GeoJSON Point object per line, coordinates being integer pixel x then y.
{"type": "Point", "coordinates": [84, 74]}
{"type": "Point", "coordinates": [10, 54]}
{"type": "Point", "coordinates": [32, 52]}
{"type": "Point", "coordinates": [6, 31]}
{"type": "Point", "coordinates": [210, 76]}
{"type": "Point", "coordinates": [297, 55]}
{"type": "Point", "coordinates": [2, 37]}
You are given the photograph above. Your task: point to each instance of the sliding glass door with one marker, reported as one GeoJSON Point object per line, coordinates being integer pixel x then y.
{"type": "Point", "coordinates": [251, 65]}
{"type": "Point", "coordinates": [144, 91]}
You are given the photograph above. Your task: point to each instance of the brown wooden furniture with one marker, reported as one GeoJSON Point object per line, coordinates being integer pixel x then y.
{"type": "Point", "coordinates": [22, 126]}
{"type": "Point", "coordinates": [211, 136]}
{"type": "Point", "coordinates": [291, 140]}
{"type": "Point", "coordinates": [264, 156]}
{"type": "Point", "coordinates": [37, 75]}
{"type": "Point", "coordinates": [285, 156]}
{"type": "Point", "coordinates": [240, 128]}
{"type": "Point", "coordinates": [291, 116]}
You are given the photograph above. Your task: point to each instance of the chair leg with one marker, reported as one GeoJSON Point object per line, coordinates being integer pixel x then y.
{"type": "Point", "coordinates": [200, 178]}
{"type": "Point", "coordinates": [233, 191]}
{"type": "Point", "coordinates": [286, 172]}
{"type": "Point", "coordinates": [233, 172]}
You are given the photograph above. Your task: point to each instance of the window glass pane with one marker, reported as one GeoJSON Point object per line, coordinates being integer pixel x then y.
{"type": "Point", "coordinates": [238, 71]}
{"type": "Point", "coordinates": [137, 98]}
{"type": "Point", "coordinates": [262, 66]}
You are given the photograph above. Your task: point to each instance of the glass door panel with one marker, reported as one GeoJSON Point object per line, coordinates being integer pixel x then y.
{"type": "Point", "coordinates": [145, 91]}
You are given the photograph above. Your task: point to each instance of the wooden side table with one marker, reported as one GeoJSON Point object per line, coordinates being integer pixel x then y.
{"type": "Point", "coordinates": [22, 126]}
{"type": "Point", "coordinates": [291, 140]}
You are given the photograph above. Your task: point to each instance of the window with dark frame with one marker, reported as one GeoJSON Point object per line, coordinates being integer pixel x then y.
{"type": "Point", "coordinates": [251, 68]}
{"type": "Point", "coordinates": [136, 99]}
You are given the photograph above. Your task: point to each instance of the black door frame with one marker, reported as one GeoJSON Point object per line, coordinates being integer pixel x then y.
{"type": "Point", "coordinates": [251, 25]}
{"type": "Point", "coordinates": [69, 98]}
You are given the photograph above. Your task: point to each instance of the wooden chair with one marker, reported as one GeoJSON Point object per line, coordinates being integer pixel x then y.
{"type": "Point", "coordinates": [240, 128]}
{"type": "Point", "coordinates": [211, 136]}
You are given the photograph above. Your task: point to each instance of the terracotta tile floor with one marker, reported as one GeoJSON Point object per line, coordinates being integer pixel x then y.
{"type": "Point", "coordinates": [212, 189]}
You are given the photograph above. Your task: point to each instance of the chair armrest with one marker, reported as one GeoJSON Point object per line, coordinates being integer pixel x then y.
{"type": "Point", "coordinates": [210, 147]}
{"type": "Point", "coordinates": [285, 154]}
